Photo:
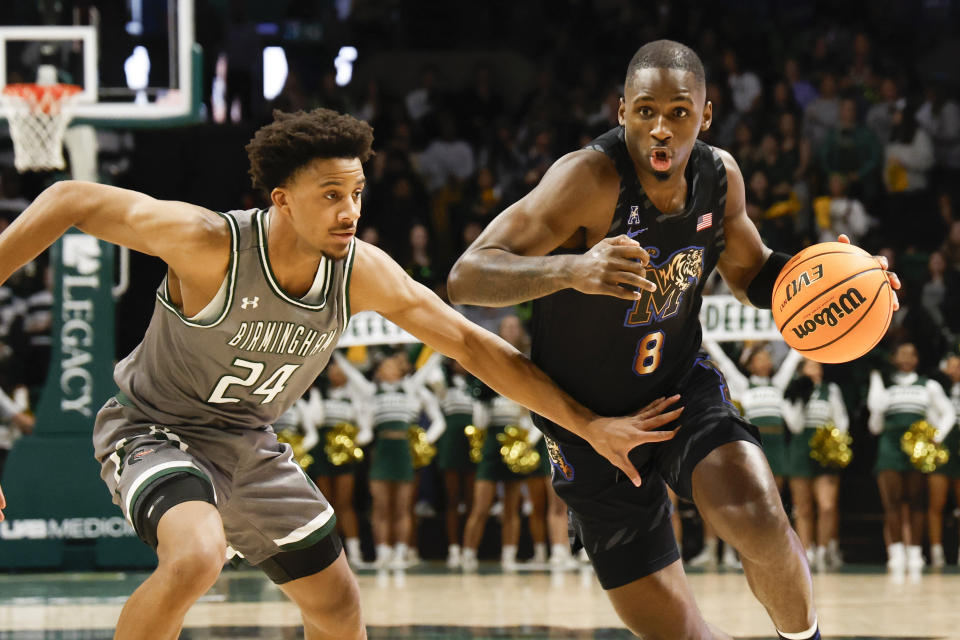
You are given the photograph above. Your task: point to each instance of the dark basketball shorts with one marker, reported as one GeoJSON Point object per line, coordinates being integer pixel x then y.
{"type": "Point", "coordinates": [626, 530]}
{"type": "Point", "coordinates": [269, 507]}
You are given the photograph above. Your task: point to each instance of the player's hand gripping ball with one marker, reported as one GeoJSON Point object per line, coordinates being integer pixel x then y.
{"type": "Point", "coordinates": [833, 302]}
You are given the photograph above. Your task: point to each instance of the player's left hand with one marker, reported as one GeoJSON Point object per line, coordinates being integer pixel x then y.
{"type": "Point", "coordinates": [891, 276]}
{"type": "Point", "coordinates": [3, 504]}
{"type": "Point", "coordinates": [614, 438]}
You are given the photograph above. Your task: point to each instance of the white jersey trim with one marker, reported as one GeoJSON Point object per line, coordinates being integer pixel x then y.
{"type": "Point", "coordinates": [231, 276]}
{"type": "Point", "coordinates": [299, 534]}
{"type": "Point", "coordinates": [325, 266]}
{"type": "Point", "coordinates": [151, 473]}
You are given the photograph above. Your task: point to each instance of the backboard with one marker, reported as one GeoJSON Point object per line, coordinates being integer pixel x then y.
{"type": "Point", "coordinates": [136, 60]}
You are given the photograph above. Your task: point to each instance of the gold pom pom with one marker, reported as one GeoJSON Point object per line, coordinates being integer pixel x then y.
{"type": "Point", "coordinates": [830, 447]}
{"type": "Point", "coordinates": [918, 443]}
{"type": "Point", "coordinates": [340, 446]}
{"type": "Point", "coordinates": [476, 437]}
{"type": "Point", "coordinates": [420, 448]}
{"type": "Point", "coordinates": [518, 454]}
{"type": "Point", "coordinates": [295, 440]}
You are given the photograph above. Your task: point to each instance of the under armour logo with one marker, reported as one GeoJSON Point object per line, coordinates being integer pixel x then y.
{"type": "Point", "coordinates": [252, 302]}
{"type": "Point", "coordinates": [634, 214]}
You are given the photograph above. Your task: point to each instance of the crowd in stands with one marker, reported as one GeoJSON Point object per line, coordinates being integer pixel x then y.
{"type": "Point", "coordinates": [842, 123]}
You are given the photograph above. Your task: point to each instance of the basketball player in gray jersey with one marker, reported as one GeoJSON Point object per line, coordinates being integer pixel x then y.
{"type": "Point", "coordinates": [252, 306]}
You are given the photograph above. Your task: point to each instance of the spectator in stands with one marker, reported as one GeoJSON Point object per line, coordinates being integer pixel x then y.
{"type": "Point", "coordinates": [448, 158]}
{"type": "Point", "coordinates": [908, 157]}
{"type": "Point", "coordinates": [725, 118]}
{"type": "Point", "coordinates": [840, 213]}
{"type": "Point", "coordinates": [780, 102]}
{"type": "Point", "coordinates": [418, 260]}
{"type": "Point", "coordinates": [934, 290]}
{"type": "Point", "coordinates": [480, 106]}
{"type": "Point", "coordinates": [852, 150]}
{"type": "Point", "coordinates": [940, 118]}
{"type": "Point", "coordinates": [823, 113]}
{"type": "Point", "coordinates": [424, 99]}
{"type": "Point", "coordinates": [745, 149]}
{"type": "Point", "coordinates": [880, 116]}
{"type": "Point", "coordinates": [482, 199]}
{"type": "Point", "coordinates": [860, 76]}
{"type": "Point", "coordinates": [803, 92]}
{"type": "Point", "coordinates": [745, 86]}
{"type": "Point", "coordinates": [951, 246]}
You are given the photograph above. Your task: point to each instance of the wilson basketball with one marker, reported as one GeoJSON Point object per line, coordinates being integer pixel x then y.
{"type": "Point", "coordinates": [832, 302]}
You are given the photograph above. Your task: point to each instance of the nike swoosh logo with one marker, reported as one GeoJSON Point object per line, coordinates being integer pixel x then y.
{"type": "Point", "coordinates": [634, 234]}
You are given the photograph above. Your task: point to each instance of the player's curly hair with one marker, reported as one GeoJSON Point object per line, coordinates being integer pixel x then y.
{"type": "Point", "coordinates": [281, 148]}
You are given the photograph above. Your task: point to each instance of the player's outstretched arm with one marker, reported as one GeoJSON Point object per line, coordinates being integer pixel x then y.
{"type": "Point", "coordinates": [379, 284]}
{"type": "Point", "coordinates": [508, 262]}
{"type": "Point", "coordinates": [194, 242]}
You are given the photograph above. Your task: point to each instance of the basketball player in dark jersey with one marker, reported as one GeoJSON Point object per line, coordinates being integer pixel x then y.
{"type": "Point", "coordinates": [614, 245]}
{"type": "Point", "coordinates": [186, 448]}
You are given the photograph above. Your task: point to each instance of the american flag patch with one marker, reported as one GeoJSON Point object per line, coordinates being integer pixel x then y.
{"type": "Point", "coordinates": [705, 221]}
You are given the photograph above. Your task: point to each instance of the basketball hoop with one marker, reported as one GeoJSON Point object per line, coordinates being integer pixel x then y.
{"type": "Point", "coordinates": [38, 115]}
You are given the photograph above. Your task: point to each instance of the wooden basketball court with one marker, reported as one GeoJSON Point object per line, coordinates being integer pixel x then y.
{"type": "Point", "coordinates": [431, 602]}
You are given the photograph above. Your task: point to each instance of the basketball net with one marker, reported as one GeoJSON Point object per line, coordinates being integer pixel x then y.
{"type": "Point", "coordinates": [38, 115]}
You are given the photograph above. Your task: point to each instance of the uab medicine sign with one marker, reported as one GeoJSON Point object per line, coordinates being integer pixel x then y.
{"type": "Point", "coordinates": [59, 512]}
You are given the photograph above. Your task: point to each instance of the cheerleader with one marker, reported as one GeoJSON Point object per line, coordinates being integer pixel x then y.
{"type": "Point", "coordinates": [339, 404]}
{"type": "Point", "coordinates": [495, 416]}
{"type": "Point", "coordinates": [816, 403]}
{"type": "Point", "coordinates": [395, 402]}
{"type": "Point", "coordinates": [453, 451]}
{"type": "Point", "coordinates": [894, 406]}
{"type": "Point", "coordinates": [762, 398]}
{"type": "Point", "coordinates": [949, 474]}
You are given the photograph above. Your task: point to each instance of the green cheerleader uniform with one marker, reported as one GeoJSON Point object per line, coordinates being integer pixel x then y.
{"type": "Point", "coordinates": [338, 408]}
{"type": "Point", "coordinates": [817, 412]}
{"type": "Point", "coordinates": [907, 404]}
{"type": "Point", "coordinates": [505, 412]}
{"type": "Point", "coordinates": [952, 442]}
{"type": "Point", "coordinates": [394, 410]}
{"type": "Point", "coordinates": [763, 406]}
{"type": "Point", "coordinates": [453, 448]}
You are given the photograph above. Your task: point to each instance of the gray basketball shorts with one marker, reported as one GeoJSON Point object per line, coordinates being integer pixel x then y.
{"type": "Point", "coordinates": [266, 501]}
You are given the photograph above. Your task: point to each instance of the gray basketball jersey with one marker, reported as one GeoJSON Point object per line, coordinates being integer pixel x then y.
{"type": "Point", "coordinates": [251, 362]}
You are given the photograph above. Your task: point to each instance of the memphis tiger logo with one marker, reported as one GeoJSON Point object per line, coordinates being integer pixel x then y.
{"type": "Point", "coordinates": [558, 460]}
{"type": "Point", "coordinates": [674, 276]}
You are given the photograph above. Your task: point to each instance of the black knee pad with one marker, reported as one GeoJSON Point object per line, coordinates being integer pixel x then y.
{"type": "Point", "coordinates": [300, 563]}
{"type": "Point", "coordinates": [163, 494]}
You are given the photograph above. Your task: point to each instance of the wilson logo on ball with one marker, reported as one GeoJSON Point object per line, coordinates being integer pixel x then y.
{"type": "Point", "coordinates": [845, 305]}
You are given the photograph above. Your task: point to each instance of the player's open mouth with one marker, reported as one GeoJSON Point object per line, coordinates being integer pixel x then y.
{"type": "Point", "coordinates": [660, 160]}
